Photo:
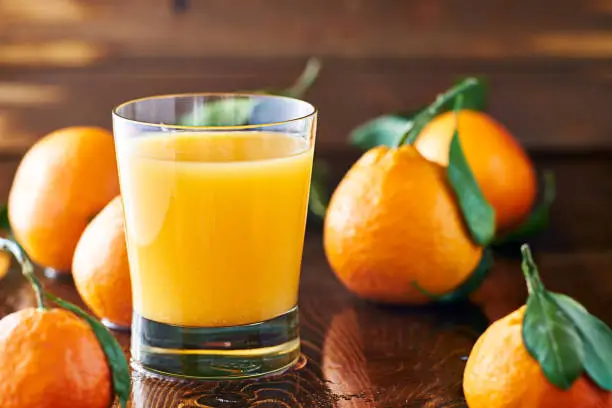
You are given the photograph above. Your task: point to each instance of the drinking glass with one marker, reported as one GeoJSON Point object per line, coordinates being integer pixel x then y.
{"type": "Point", "coordinates": [215, 192]}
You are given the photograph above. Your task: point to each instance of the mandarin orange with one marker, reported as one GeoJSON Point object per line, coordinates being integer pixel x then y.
{"type": "Point", "coordinates": [63, 181]}
{"type": "Point", "coordinates": [514, 379]}
{"type": "Point", "coordinates": [393, 222]}
{"type": "Point", "coordinates": [52, 359]}
{"type": "Point", "coordinates": [100, 267]}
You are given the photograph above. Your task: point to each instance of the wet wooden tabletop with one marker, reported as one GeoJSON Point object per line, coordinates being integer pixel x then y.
{"type": "Point", "coordinates": [359, 354]}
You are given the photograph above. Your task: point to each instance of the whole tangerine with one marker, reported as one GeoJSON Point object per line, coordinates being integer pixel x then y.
{"type": "Point", "coordinates": [393, 223]}
{"type": "Point", "coordinates": [100, 267]}
{"type": "Point", "coordinates": [63, 181]}
{"type": "Point", "coordinates": [514, 379]}
{"type": "Point", "coordinates": [51, 358]}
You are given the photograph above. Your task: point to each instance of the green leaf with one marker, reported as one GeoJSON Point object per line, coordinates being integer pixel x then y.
{"type": "Point", "coordinates": [319, 196]}
{"type": "Point", "coordinates": [478, 214]}
{"type": "Point", "coordinates": [236, 111]}
{"type": "Point", "coordinates": [231, 111]}
{"type": "Point", "coordinates": [551, 339]}
{"type": "Point", "coordinates": [548, 334]}
{"type": "Point", "coordinates": [306, 79]}
{"type": "Point", "coordinates": [473, 282]}
{"type": "Point", "coordinates": [4, 220]}
{"type": "Point", "coordinates": [114, 354]}
{"type": "Point", "coordinates": [384, 130]}
{"type": "Point", "coordinates": [443, 103]}
{"type": "Point", "coordinates": [388, 130]}
{"type": "Point", "coordinates": [596, 337]}
{"type": "Point", "coordinates": [27, 268]}
{"type": "Point", "coordinates": [562, 335]}
{"type": "Point", "coordinates": [537, 221]}
{"type": "Point", "coordinates": [475, 97]}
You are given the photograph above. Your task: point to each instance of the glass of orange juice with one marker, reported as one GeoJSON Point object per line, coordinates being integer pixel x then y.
{"type": "Point", "coordinates": [215, 191]}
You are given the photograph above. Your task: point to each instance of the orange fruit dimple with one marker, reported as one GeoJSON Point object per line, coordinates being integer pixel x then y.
{"type": "Point", "coordinates": [51, 359]}
{"type": "Point", "coordinates": [501, 167]}
{"type": "Point", "coordinates": [100, 267]}
{"type": "Point", "coordinates": [514, 379]}
{"type": "Point", "coordinates": [393, 222]}
{"type": "Point", "coordinates": [63, 181]}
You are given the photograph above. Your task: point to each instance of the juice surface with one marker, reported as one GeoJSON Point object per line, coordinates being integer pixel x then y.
{"type": "Point", "coordinates": [215, 224]}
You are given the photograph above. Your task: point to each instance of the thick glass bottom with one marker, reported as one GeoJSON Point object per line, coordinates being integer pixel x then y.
{"type": "Point", "coordinates": [215, 353]}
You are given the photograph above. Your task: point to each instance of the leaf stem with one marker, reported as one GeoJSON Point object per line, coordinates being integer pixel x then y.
{"type": "Point", "coordinates": [421, 119]}
{"type": "Point", "coordinates": [306, 78]}
{"type": "Point", "coordinates": [530, 271]}
{"type": "Point", "coordinates": [456, 109]}
{"type": "Point", "coordinates": [27, 269]}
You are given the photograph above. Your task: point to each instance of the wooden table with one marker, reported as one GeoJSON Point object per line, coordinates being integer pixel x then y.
{"type": "Point", "coordinates": [358, 354]}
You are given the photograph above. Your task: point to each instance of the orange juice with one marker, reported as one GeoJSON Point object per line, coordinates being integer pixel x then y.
{"type": "Point", "coordinates": [215, 224]}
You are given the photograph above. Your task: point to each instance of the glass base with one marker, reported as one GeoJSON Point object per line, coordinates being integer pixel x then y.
{"type": "Point", "coordinates": [216, 353]}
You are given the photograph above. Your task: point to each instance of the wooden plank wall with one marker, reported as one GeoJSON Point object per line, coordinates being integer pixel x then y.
{"type": "Point", "coordinates": [66, 62]}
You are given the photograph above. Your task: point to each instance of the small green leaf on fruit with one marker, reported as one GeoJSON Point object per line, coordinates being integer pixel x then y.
{"type": "Point", "coordinates": [478, 214]}
{"type": "Point", "coordinates": [237, 111]}
{"type": "Point", "coordinates": [114, 354]}
{"type": "Point", "coordinates": [383, 130]}
{"type": "Point", "coordinates": [552, 340]}
{"type": "Point", "coordinates": [443, 103]}
{"type": "Point", "coordinates": [227, 111]}
{"type": "Point", "coordinates": [562, 335]}
{"type": "Point", "coordinates": [474, 97]}
{"type": "Point", "coordinates": [390, 129]}
{"type": "Point", "coordinates": [596, 337]}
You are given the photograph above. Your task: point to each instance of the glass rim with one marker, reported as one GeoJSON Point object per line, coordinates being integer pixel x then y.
{"type": "Point", "coordinates": [115, 110]}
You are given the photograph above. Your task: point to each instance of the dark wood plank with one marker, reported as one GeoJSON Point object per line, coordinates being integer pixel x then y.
{"type": "Point", "coordinates": [71, 61]}
{"type": "Point", "coordinates": [364, 28]}
{"type": "Point", "coordinates": [560, 109]}
{"type": "Point", "coordinates": [358, 354]}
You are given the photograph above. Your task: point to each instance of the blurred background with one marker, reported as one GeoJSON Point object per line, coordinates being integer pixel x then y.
{"type": "Point", "coordinates": [549, 63]}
